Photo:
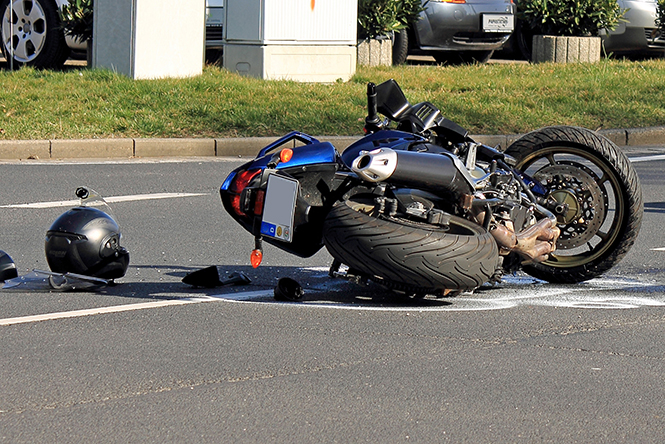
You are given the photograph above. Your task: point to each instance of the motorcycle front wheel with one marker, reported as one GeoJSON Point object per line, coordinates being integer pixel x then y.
{"type": "Point", "coordinates": [407, 255]}
{"type": "Point", "coordinates": [595, 194]}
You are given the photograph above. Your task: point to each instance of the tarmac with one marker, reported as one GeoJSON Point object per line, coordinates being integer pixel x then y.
{"type": "Point", "coordinates": [61, 149]}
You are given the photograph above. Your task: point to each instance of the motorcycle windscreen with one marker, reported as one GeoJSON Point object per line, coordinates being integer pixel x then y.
{"type": "Point", "coordinates": [91, 198]}
{"type": "Point", "coordinates": [390, 100]}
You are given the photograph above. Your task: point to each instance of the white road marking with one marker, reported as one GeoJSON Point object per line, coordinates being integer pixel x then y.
{"type": "Point", "coordinates": [647, 158]}
{"type": "Point", "coordinates": [658, 249]}
{"type": "Point", "coordinates": [129, 198]}
{"type": "Point", "coordinates": [605, 294]}
{"type": "Point", "coordinates": [129, 307]}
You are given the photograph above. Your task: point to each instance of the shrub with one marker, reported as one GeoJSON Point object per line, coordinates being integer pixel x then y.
{"type": "Point", "coordinates": [76, 18]}
{"type": "Point", "coordinates": [660, 17]}
{"type": "Point", "coordinates": [381, 17]}
{"type": "Point", "coordinates": [570, 17]}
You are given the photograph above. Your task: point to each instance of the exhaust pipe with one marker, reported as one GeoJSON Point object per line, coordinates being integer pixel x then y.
{"type": "Point", "coordinates": [427, 171]}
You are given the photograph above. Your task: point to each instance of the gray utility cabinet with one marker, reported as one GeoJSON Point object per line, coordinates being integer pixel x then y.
{"type": "Point", "coordinates": [302, 40]}
{"type": "Point", "coordinates": [148, 39]}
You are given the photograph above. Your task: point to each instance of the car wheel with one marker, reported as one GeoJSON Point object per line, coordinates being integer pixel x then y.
{"type": "Point", "coordinates": [524, 37]}
{"type": "Point", "coordinates": [400, 47]}
{"type": "Point", "coordinates": [31, 33]}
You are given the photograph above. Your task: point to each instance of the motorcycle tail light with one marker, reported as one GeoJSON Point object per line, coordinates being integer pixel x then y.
{"type": "Point", "coordinates": [242, 179]}
{"type": "Point", "coordinates": [240, 182]}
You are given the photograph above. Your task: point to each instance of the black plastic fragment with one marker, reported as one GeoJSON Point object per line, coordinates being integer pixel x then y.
{"type": "Point", "coordinates": [288, 289]}
{"type": "Point", "coordinates": [209, 277]}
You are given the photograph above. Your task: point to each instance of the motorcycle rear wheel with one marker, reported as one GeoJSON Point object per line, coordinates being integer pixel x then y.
{"type": "Point", "coordinates": [409, 256]}
{"type": "Point", "coordinates": [600, 197]}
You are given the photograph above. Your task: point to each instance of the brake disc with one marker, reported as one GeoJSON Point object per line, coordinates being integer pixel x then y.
{"type": "Point", "coordinates": [581, 204]}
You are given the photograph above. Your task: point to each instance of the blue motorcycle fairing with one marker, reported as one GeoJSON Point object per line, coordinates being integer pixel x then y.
{"type": "Point", "coordinates": [396, 140]}
{"type": "Point", "coordinates": [227, 182]}
{"type": "Point", "coordinates": [314, 164]}
{"type": "Point", "coordinates": [316, 153]}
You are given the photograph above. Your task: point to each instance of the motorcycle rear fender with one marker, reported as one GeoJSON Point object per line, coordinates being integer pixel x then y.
{"type": "Point", "coordinates": [314, 165]}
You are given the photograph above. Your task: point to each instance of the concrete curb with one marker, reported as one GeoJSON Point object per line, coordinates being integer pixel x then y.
{"type": "Point", "coordinates": [240, 147]}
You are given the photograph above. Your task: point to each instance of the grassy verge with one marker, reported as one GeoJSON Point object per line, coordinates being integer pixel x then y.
{"type": "Point", "coordinates": [486, 99]}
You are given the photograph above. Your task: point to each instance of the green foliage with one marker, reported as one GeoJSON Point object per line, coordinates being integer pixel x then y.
{"type": "Point", "coordinates": [660, 16]}
{"type": "Point", "coordinates": [381, 17]}
{"type": "Point", "coordinates": [76, 18]}
{"type": "Point", "coordinates": [570, 17]}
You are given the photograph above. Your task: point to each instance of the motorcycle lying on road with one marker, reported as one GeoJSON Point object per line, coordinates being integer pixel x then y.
{"type": "Point", "coordinates": [418, 206]}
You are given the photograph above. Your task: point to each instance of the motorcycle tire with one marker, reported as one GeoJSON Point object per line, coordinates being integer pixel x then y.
{"type": "Point", "coordinates": [417, 258]}
{"type": "Point", "coordinates": [600, 196]}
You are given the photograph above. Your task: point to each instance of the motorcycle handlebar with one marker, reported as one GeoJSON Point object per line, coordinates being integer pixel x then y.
{"type": "Point", "coordinates": [372, 120]}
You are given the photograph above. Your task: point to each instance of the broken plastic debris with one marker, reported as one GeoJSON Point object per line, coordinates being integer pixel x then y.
{"type": "Point", "coordinates": [209, 277]}
{"type": "Point", "coordinates": [40, 280]}
{"type": "Point", "coordinates": [288, 289]}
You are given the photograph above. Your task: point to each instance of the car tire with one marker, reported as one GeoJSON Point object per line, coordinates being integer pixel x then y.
{"type": "Point", "coordinates": [400, 47]}
{"type": "Point", "coordinates": [523, 35]}
{"type": "Point", "coordinates": [36, 37]}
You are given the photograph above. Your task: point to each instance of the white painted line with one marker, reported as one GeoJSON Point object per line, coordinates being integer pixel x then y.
{"type": "Point", "coordinates": [647, 158]}
{"type": "Point", "coordinates": [597, 294]}
{"type": "Point", "coordinates": [604, 294]}
{"type": "Point", "coordinates": [96, 311]}
{"type": "Point", "coordinates": [132, 307]}
{"type": "Point", "coordinates": [658, 249]}
{"type": "Point", "coordinates": [130, 198]}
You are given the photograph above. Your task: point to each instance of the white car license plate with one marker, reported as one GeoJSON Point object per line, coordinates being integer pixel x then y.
{"type": "Point", "coordinates": [279, 208]}
{"type": "Point", "coordinates": [498, 22]}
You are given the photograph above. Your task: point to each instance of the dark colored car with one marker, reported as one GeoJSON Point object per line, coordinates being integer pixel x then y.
{"type": "Point", "coordinates": [457, 30]}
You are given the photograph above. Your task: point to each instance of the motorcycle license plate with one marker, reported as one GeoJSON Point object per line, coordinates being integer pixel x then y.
{"type": "Point", "coordinates": [497, 23]}
{"type": "Point", "coordinates": [279, 208]}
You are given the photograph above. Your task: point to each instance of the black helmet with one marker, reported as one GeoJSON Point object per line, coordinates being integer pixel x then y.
{"type": "Point", "coordinates": [86, 240]}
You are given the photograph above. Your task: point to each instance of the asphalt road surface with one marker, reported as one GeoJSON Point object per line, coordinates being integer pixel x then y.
{"type": "Point", "coordinates": [154, 360]}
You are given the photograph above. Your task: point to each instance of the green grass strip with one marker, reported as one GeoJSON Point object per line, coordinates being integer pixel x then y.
{"type": "Point", "coordinates": [485, 99]}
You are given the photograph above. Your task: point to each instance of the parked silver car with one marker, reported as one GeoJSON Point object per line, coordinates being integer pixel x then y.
{"type": "Point", "coordinates": [30, 29]}
{"type": "Point", "coordinates": [639, 34]}
{"type": "Point", "coordinates": [457, 30]}
{"type": "Point", "coordinates": [636, 36]}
